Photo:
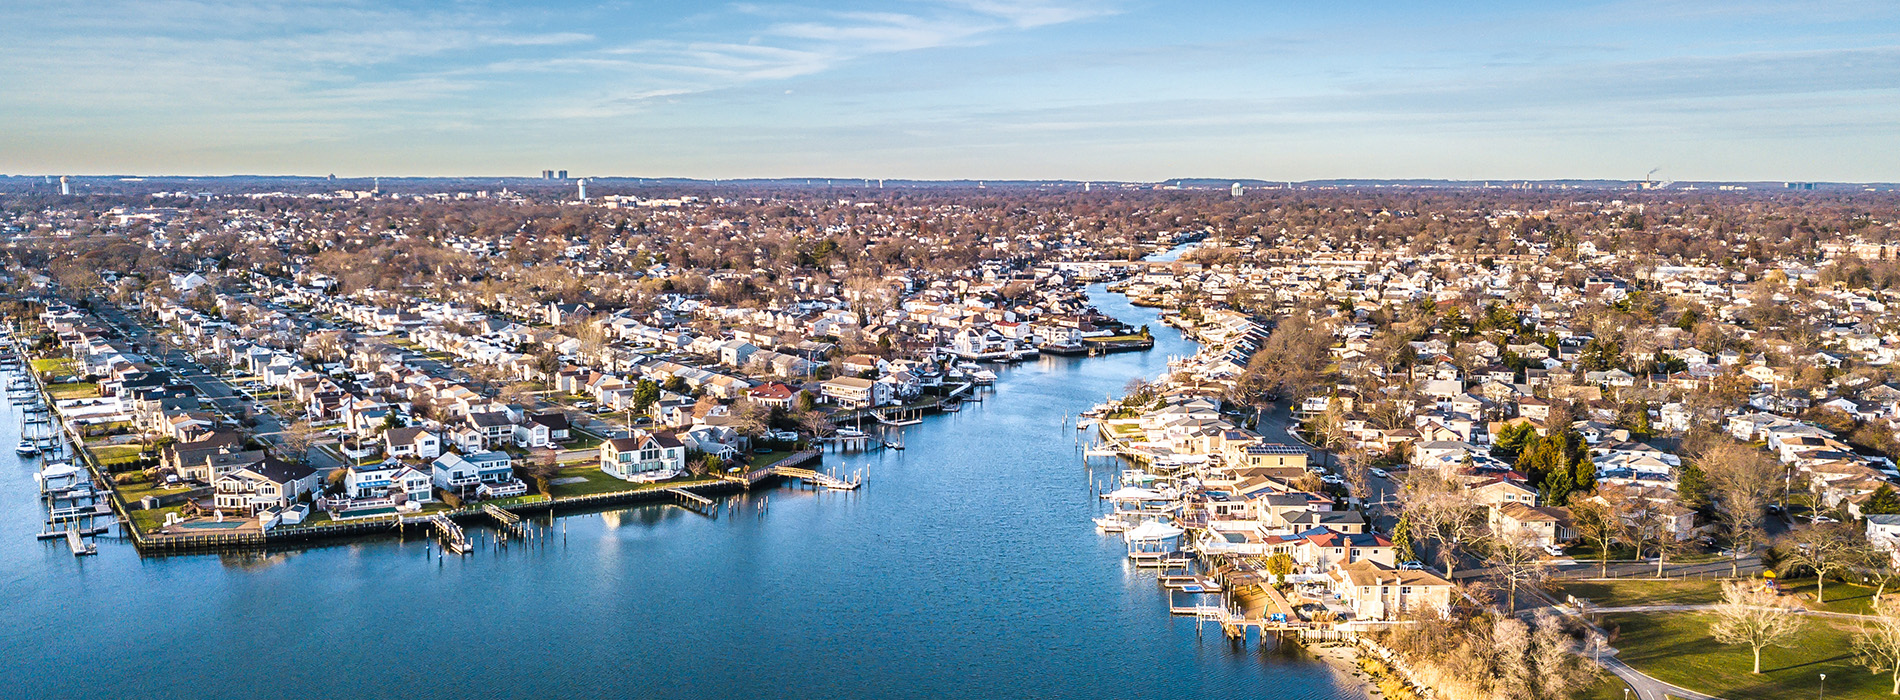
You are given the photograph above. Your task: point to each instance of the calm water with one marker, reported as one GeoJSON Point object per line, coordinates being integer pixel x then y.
{"type": "Point", "coordinates": [967, 568]}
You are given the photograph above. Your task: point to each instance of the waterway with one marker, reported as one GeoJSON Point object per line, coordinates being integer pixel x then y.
{"type": "Point", "coordinates": [967, 567]}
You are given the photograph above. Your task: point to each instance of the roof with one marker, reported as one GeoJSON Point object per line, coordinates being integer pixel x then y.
{"type": "Point", "coordinates": [1274, 448]}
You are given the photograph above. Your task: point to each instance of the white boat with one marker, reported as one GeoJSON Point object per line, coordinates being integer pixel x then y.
{"type": "Point", "coordinates": [1110, 523]}
{"type": "Point", "coordinates": [27, 448]}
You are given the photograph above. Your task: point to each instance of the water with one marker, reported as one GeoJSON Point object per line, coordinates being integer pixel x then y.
{"type": "Point", "coordinates": [966, 567]}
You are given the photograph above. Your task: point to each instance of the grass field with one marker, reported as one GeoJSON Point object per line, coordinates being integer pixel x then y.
{"type": "Point", "coordinates": [1676, 648]}
{"type": "Point", "coordinates": [149, 520]}
{"type": "Point", "coordinates": [55, 365]}
{"type": "Point", "coordinates": [107, 454]}
{"type": "Point", "coordinates": [73, 390]}
{"type": "Point", "coordinates": [1610, 594]}
{"type": "Point", "coordinates": [1841, 597]}
{"type": "Point", "coordinates": [598, 482]}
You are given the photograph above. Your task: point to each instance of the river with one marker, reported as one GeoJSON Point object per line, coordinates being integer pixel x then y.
{"type": "Point", "coordinates": [966, 567]}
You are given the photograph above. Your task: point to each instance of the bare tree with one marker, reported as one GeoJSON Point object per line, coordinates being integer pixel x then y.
{"type": "Point", "coordinates": [1825, 548]}
{"type": "Point", "coordinates": [1440, 510]}
{"type": "Point", "coordinates": [1742, 479]}
{"type": "Point", "coordinates": [297, 440]}
{"type": "Point", "coordinates": [1601, 522]}
{"type": "Point", "coordinates": [1516, 561]}
{"type": "Point", "coordinates": [1877, 644]}
{"type": "Point", "coordinates": [1752, 614]}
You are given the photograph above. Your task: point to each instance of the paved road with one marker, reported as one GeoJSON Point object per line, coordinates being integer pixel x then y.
{"type": "Point", "coordinates": [1646, 688]}
{"type": "Point", "coordinates": [1276, 425]}
{"type": "Point", "coordinates": [213, 388]}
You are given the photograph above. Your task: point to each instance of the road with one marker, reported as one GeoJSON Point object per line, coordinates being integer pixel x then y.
{"type": "Point", "coordinates": [214, 389]}
{"type": "Point", "coordinates": [1276, 425]}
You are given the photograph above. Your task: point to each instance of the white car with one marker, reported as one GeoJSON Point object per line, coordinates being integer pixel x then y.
{"type": "Point", "coordinates": [1331, 479]}
{"type": "Point", "coordinates": [1381, 473]}
{"type": "Point", "coordinates": [1554, 550]}
{"type": "Point", "coordinates": [1413, 565]}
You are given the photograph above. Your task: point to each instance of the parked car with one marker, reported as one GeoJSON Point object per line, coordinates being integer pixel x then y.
{"type": "Point", "coordinates": [1381, 473]}
{"type": "Point", "coordinates": [1553, 550]}
{"type": "Point", "coordinates": [1413, 565]}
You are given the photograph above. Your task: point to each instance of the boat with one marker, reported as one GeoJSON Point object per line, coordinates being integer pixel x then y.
{"type": "Point", "coordinates": [984, 377]}
{"type": "Point", "coordinates": [1110, 523]}
{"type": "Point", "coordinates": [27, 448]}
{"type": "Point", "coordinates": [951, 407]}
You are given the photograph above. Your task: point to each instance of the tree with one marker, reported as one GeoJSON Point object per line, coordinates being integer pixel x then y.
{"type": "Point", "coordinates": [1752, 614]}
{"type": "Point", "coordinates": [818, 424]}
{"type": "Point", "coordinates": [297, 440]}
{"type": "Point", "coordinates": [1883, 501]}
{"type": "Point", "coordinates": [1440, 510]}
{"type": "Point", "coordinates": [1877, 644]}
{"type": "Point", "coordinates": [1824, 548]}
{"type": "Point", "coordinates": [1600, 522]}
{"type": "Point", "coordinates": [1740, 480]}
{"type": "Point", "coordinates": [1513, 438]}
{"type": "Point", "coordinates": [1402, 540]}
{"type": "Point", "coordinates": [1280, 565]}
{"type": "Point", "coordinates": [1516, 561]}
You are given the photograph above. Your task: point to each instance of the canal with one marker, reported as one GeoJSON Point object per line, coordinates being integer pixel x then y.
{"type": "Point", "coordinates": [967, 567]}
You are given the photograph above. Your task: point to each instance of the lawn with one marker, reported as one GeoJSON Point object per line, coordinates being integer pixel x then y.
{"type": "Point", "coordinates": [1841, 597]}
{"type": "Point", "coordinates": [1619, 593]}
{"type": "Point", "coordinates": [1676, 648]}
{"type": "Point", "coordinates": [581, 440]}
{"type": "Point", "coordinates": [769, 458]}
{"type": "Point", "coordinates": [55, 365]}
{"type": "Point", "coordinates": [598, 481]}
{"type": "Point", "coordinates": [131, 493]}
{"type": "Point", "coordinates": [149, 520]}
{"type": "Point", "coordinates": [107, 454]}
{"type": "Point", "coordinates": [73, 390]}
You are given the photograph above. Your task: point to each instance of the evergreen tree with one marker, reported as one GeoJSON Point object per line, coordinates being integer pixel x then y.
{"type": "Point", "coordinates": [1402, 540]}
{"type": "Point", "coordinates": [1883, 502]}
{"type": "Point", "coordinates": [1692, 487]}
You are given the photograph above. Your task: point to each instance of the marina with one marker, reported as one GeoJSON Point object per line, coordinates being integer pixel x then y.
{"type": "Point", "coordinates": [934, 541]}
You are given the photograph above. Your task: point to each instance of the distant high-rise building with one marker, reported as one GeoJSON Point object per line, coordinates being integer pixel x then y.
{"type": "Point", "coordinates": [65, 187]}
{"type": "Point", "coordinates": [582, 184]}
{"type": "Point", "coordinates": [547, 174]}
{"type": "Point", "coordinates": [1238, 190]}
{"type": "Point", "coordinates": [563, 175]}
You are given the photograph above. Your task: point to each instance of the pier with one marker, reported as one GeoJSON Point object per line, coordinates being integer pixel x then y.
{"type": "Point", "coordinates": [453, 539]}
{"type": "Point", "coordinates": [505, 520]}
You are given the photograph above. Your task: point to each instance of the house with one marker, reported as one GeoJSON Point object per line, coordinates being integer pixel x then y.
{"type": "Point", "coordinates": [486, 475]}
{"type": "Point", "coordinates": [1378, 592]}
{"type": "Point", "coordinates": [386, 484]}
{"type": "Point", "coordinates": [1270, 454]}
{"type": "Point", "coordinates": [1883, 532]}
{"type": "Point", "coordinates": [1546, 526]}
{"type": "Point", "coordinates": [773, 394]}
{"type": "Point", "coordinates": [412, 443]}
{"type": "Point", "coordinates": [643, 457]}
{"type": "Point", "coordinates": [853, 392]}
{"type": "Point", "coordinates": [271, 484]}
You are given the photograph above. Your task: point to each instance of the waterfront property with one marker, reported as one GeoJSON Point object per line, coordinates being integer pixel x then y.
{"type": "Point", "coordinates": [644, 457]}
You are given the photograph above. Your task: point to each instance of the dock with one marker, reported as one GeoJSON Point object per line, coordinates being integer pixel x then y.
{"type": "Point", "coordinates": [505, 520]}
{"type": "Point", "coordinates": [818, 478]}
{"type": "Point", "coordinates": [78, 544]}
{"type": "Point", "coordinates": [695, 502]}
{"type": "Point", "coordinates": [453, 539]}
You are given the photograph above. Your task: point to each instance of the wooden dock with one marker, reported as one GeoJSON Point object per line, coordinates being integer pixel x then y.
{"type": "Point", "coordinates": [505, 520]}
{"type": "Point", "coordinates": [451, 535]}
{"type": "Point", "coordinates": [78, 544]}
{"type": "Point", "coordinates": [818, 478]}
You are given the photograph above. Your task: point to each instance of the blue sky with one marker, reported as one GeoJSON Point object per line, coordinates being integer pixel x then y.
{"type": "Point", "coordinates": [1110, 89]}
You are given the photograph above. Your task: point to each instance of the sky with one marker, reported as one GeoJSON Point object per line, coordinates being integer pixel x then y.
{"type": "Point", "coordinates": [1132, 90]}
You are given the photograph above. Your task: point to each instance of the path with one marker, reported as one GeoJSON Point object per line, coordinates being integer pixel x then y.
{"type": "Point", "coordinates": [1710, 607]}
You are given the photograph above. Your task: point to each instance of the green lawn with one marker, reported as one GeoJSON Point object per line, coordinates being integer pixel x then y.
{"type": "Point", "coordinates": [55, 365]}
{"type": "Point", "coordinates": [149, 520]}
{"type": "Point", "coordinates": [1676, 648]}
{"type": "Point", "coordinates": [581, 440]}
{"type": "Point", "coordinates": [598, 481]}
{"type": "Point", "coordinates": [1611, 594]}
{"type": "Point", "coordinates": [1841, 597]}
{"type": "Point", "coordinates": [769, 458]}
{"type": "Point", "coordinates": [131, 493]}
{"type": "Point", "coordinates": [73, 390]}
{"type": "Point", "coordinates": [107, 454]}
